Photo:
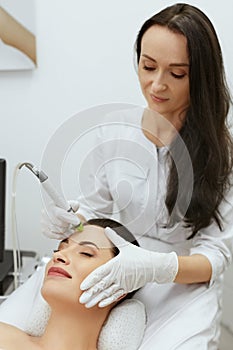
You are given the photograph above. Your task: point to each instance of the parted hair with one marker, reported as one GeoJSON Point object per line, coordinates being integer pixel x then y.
{"type": "Point", "coordinates": [205, 131]}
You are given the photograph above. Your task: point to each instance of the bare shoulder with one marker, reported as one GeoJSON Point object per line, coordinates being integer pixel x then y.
{"type": "Point", "coordinates": [10, 334]}
{"type": "Point", "coordinates": [7, 328]}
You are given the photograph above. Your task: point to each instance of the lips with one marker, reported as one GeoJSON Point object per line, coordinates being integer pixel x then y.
{"type": "Point", "coordinates": [158, 98]}
{"type": "Point", "coordinates": [59, 272]}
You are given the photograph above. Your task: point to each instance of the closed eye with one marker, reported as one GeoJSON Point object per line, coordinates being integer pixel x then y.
{"type": "Point", "coordinates": [87, 254]}
{"type": "Point", "coordinates": [178, 76]}
{"type": "Point", "coordinates": [149, 68]}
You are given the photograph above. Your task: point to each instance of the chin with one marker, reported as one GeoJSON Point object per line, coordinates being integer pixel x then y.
{"type": "Point", "coordinates": [53, 292]}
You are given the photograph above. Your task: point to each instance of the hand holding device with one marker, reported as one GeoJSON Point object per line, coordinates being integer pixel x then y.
{"type": "Point", "coordinates": [60, 221]}
{"type": "Point", "coordinates": [57, 223]}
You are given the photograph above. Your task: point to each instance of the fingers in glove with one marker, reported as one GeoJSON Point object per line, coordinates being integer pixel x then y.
{"type": "Point", "coordinates": [116, 239]}
{"type": "Point", "coordinates": [74, 205]}
{"type": "Point", "coordinates": [47, 226]}
{"type": "Point", "coordinates": [66, 217]}
{"type": "Point", "coordinates": [105, 294]}
{"type": "Point", "coordinates": [98, 279]}
{"type": "Point", "coordinates": [98, 288]}
{"type": "Point", "coordinates": [56, 224]}
{"type": "Point", "coordinates": [55, 231]}
{"type": "Point", "coordinates": [113, 298]}
{"type": "Point", "coordinates": [49, 222]}
{"type": "Point", "coordinates": [52, 235]}
{"type": "Point", "coordinates": [59, 216]}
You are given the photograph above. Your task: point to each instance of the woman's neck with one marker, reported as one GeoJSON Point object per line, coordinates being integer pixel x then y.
{"type": "Point", "coordinates": [158, 129]}
{"type": "Point", "coordinates": [73, 329]}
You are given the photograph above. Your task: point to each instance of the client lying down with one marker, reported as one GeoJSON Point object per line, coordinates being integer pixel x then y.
{"type": "Point", "coordinates": [71, 325]}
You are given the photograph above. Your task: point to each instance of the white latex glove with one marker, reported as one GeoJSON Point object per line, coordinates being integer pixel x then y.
{"type": "Point", "coordinates": [131, 269]}
{"type": "Point", "coordinates": [57, 223]}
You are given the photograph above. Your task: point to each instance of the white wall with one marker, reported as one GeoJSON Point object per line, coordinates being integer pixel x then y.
{"type": "Point", "coordinates": [85, 58]}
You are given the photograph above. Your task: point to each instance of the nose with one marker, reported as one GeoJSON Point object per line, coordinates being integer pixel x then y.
{"type": "Point", "coordinates": [158, 83]}
{"type": "Point", "coordinates": [61, 256]}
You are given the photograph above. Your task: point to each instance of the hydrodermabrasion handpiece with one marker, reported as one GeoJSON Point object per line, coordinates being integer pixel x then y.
{"type": "Point", "coordinates": [57, 198]}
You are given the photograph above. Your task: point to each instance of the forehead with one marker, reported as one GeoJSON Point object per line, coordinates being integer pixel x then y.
{"type": "Point", "coordinates": [161, 43]}
{"type": "Point", "coordinates": [93, 234]}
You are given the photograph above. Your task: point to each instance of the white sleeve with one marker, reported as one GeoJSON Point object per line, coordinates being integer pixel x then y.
{"type": "Point", "coordinates": [216, 244]}
{"type": "Point", "coordinates": [95, 199]}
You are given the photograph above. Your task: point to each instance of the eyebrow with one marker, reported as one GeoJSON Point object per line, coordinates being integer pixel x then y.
{"type": "Point", "coordinates": [88, 243]}
{"type": "Point", "coordinates": [66, 240]}
{"type": "Point", "coordinates": [170, 65]}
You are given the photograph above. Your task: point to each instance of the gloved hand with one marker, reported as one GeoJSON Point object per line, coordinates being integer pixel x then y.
{"type": "Point", "coordinates": [131, 269]}
{"type": "Point", "coordinates": [57, 223]}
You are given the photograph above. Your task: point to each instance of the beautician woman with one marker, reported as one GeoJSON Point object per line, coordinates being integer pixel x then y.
{"type": "Point", "coordinates": [181, 73]}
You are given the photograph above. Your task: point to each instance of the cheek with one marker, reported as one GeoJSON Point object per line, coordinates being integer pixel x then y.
{"type": "Point", "coordinates": [142, 78]}
{"type": "Point", "coordinates": [186, 95]}
{"type": "Point", "coordinates": [46, 269]}
{"type": "Point", "coordinates": [85, 267]}
{"type": "Point", "coordinates": [182, 93]}
{"type": "Point", "coordinates": [82, 271]}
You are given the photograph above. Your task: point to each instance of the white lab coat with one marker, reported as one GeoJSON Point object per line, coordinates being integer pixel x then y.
{"type": "Point", "coordinates": [127, 181]}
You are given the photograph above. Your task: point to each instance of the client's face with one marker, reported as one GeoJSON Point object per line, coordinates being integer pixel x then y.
{"type": "Point", "coordinates": [75, 258]}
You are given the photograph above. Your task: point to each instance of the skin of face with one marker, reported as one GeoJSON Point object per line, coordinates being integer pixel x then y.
{"type": "Point", "coordinates": [77, 257]}
{"type": "Point", "coordinates": [163, 72]}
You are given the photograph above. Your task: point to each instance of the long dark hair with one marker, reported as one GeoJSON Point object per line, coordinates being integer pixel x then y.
{"type": "Point", "coordinates": [205, 130]}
